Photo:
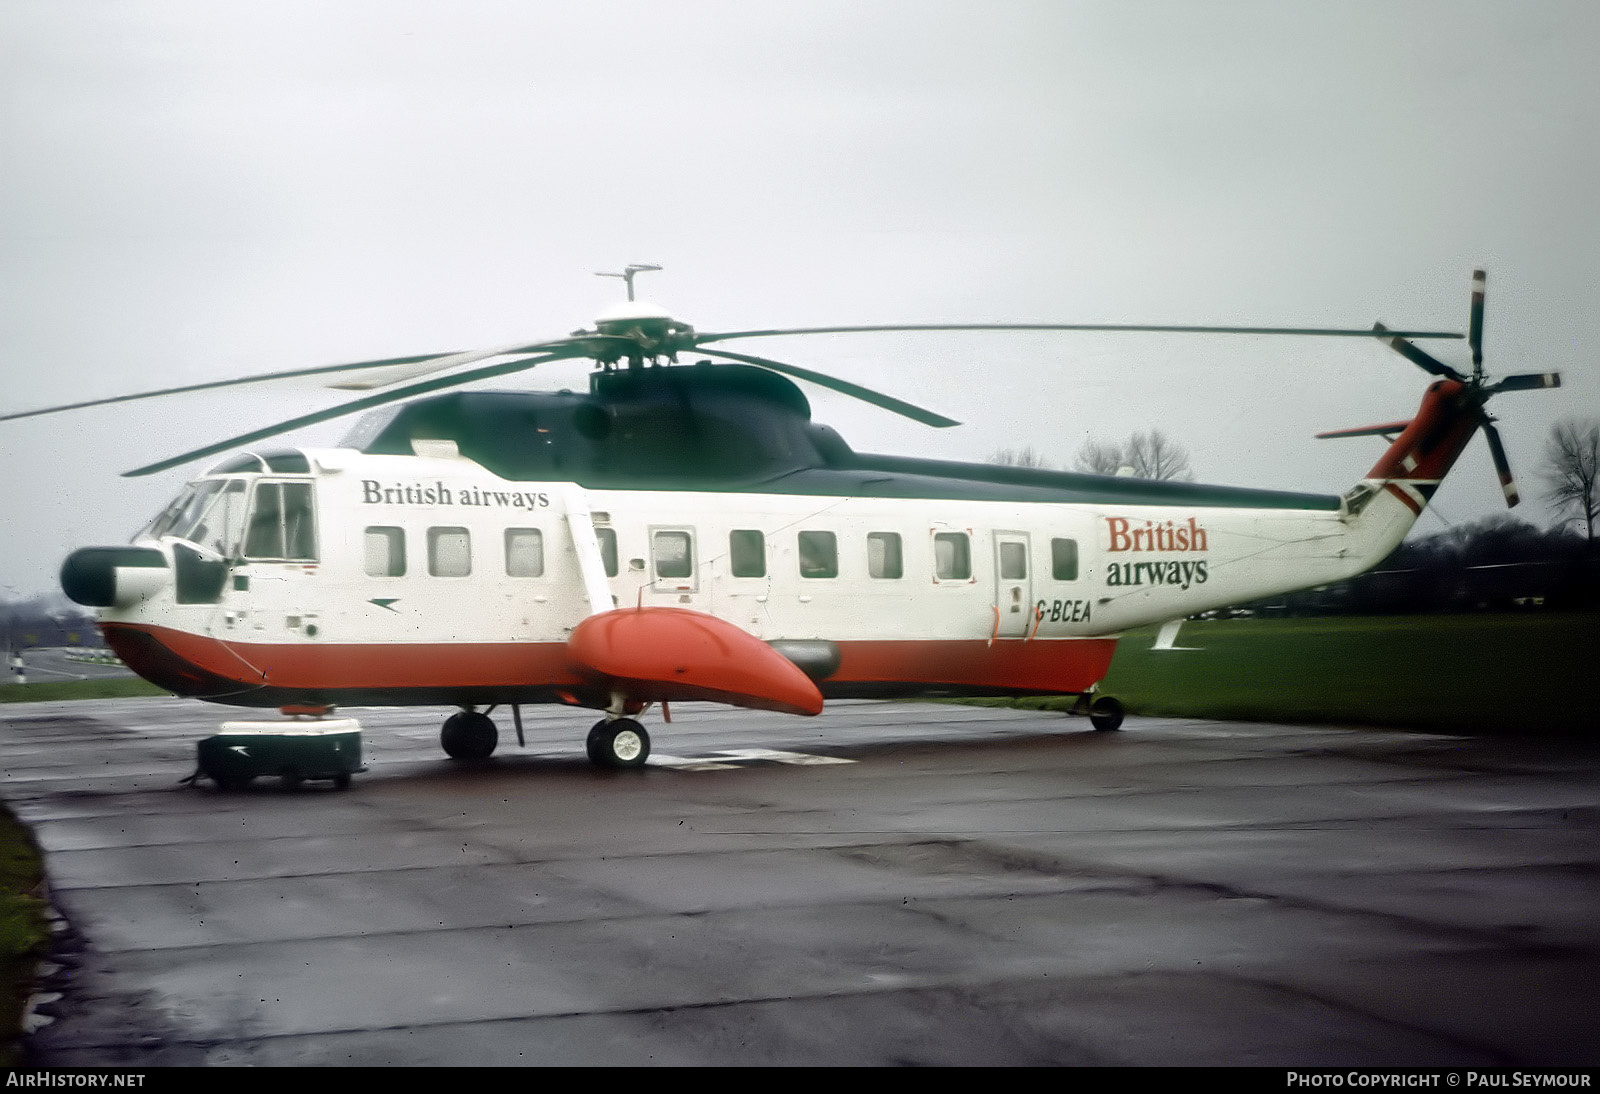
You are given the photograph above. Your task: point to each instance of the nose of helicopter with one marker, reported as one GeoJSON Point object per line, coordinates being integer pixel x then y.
{"type": "Point", "coordinates": [106, 577]}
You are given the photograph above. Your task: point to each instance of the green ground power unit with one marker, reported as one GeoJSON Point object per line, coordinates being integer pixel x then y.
{"type": "Point", "coordinates": [324, 748]}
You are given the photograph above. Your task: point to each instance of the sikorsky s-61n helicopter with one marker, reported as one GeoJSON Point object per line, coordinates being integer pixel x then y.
{"type": "Point", "coordinates": [686, 532]}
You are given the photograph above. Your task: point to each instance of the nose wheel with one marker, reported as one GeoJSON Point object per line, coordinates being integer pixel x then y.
{"type": "Point", "coordinates": [618, 743]}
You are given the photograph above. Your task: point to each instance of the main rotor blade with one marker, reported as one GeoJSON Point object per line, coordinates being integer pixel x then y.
{"type": "Point", "coordinates": [1502, 466]}
{"type": "Point", "coordinates": [406, 370]}
{"type": "Point", "coordinates": [320, 371]}
{"type": "Point", "coordinates": [344, 409]}
{"type": "Point", "coordinates": [1417, 357]}
{"type": "Point", "coordinates": [1327, 332]}
{"type": "Point", "coordinates": [1480, 281]}
{"type": "Point", "coordinates": [845, 387]}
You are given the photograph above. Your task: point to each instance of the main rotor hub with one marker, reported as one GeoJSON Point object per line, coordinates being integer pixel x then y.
{"type": "Point", "coordinates": [651, 330]}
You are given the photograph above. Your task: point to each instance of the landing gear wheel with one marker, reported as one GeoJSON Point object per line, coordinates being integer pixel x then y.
{"type": "Point", "coordinates": [618, 744]}
{"type": "Point", "coordinates": [1106, 714]}
{"type": "Point", "coordinates": [468, 736]}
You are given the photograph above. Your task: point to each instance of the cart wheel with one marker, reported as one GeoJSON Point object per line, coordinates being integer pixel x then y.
{"type": "Point", "coordinates": [341, 781]}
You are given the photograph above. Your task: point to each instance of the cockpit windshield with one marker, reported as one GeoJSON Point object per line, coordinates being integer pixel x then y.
{"type": "Point", "coordinates": [210, 513]}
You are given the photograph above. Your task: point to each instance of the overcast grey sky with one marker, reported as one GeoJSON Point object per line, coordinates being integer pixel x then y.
{"type": "Point", "coordinates": [206, 189]}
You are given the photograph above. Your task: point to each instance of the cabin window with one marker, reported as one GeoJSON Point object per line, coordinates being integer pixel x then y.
{"type": "Point", "coordinates": [883, 555]}
{"type": "Point", "coordinates": [384, 552]}
{"type": "Point", "coordinates": [608, 549]}
{"type": "Point", "coordinates": [747, 553]}
{"type": "Point", "coordinates": [1013, 561]}
{"type": "Point", "coordinates": [449, 552]}
{"type": "Point", "coordinates": [952, 556]}
{"type": "Point", "coordinates": [281, 523]}
{"type": "Point", "coordinates": [673, 554]}
{"type": "Point", "coordinates": [524, 552]}
{"type": "Point", "coordinates": [819, 554]}
{"type": "Point", "coordinates": [1064, 559]}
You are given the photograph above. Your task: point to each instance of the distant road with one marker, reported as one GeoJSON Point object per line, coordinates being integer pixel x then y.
{"type": "Point", "coordinates": [47, 664]}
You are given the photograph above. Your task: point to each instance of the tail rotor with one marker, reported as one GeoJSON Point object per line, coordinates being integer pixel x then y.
{"type": "Point", "coordinates": [1476, 388]}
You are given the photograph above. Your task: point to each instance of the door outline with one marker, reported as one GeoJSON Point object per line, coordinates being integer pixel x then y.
{"type": "Point", "coordinates": [1013, 596]}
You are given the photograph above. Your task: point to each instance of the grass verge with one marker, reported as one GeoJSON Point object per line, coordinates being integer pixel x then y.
{"type": "Point", "coordinates": [24, 929]}
{"type": "Point", "coordinates": [1447, 673]}
{"type": "Point", "coordinates": [46, 691]}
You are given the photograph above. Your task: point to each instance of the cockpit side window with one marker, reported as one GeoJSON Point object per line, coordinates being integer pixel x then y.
{"type": "Point", "coordinates": [282, 523]}
{"type": "Point", "coordinates": [222, 527]}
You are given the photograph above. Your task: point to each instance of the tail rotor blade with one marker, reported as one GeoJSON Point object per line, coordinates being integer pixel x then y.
{"type": "Point", "coordinates": [1502, 466]}
{"type": "Point", "coordinates": [1475, 332]}
{"type": "Point", "coordinates": [1527, 381]}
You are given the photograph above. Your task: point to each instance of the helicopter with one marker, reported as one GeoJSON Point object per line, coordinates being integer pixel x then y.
{"type": "Point", "coordinates": [686, 532]}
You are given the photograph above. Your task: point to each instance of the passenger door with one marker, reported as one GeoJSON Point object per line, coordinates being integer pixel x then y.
{"type": "Point", "coordinates": [1013, 584]}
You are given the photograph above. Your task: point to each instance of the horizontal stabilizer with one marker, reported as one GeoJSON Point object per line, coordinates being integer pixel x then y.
{"type": "Point", "coordinates": [1168, 635]}
{"type": "Point", "coordinates": [1367, 431]}
{"type": "Point", "coordinates": [664, 654]}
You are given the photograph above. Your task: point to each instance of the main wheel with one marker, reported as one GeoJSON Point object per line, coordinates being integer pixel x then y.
{"type": "Point", "coordinates": [468, 736]}
{"type": "Point", "coordinates": [1106, 714]}
{"type": "Point", "coordinates": [618, 744]}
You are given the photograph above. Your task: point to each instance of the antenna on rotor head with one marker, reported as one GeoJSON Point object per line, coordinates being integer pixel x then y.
{"type": "Point", "coordinates": [629, 274]}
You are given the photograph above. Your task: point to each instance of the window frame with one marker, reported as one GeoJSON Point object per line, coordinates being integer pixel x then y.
{"type": "Point", "coordinates": [734, 552]}
{"type": "Point", "coordinates": [606, 537]}
{"type": "Point", "coordinates": [899, 556]}
{"type": "Point", "coordinates": [433, 536]}
{"type": "Point", "coordinates": [505, 544]}
{"type": "Point", "coordinates": [820, 536]}
{"type": "Point", "coordinates": [964, 556]}
{"type": "Point", "coordinates": [1076, 561]}
{"type": "Point", "coordinates": [675, 583]}
{"type": "Point", "coordinates": [405, 560]}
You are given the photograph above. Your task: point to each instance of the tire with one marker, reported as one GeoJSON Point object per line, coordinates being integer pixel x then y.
{"type": "Point", "coordinates": [1106, 714]}
{"type": "Point", "coordinates": [618, 744]}
{"type": "Point", "coordinates": [468, 736]}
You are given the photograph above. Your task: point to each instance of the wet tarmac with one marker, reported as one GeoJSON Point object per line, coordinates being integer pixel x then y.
{"type": "Point", "coordinates": [884, 884]}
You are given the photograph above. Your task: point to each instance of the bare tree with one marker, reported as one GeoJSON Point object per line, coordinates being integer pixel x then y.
{"type": "Point", "coordinates": [1099, 457]}
{"type": "Point", "coordinates": [1026, 456]}
{"type": "Point", "coordinates": [1154, 455]}
{"type": "Point", "coordinates": [1571, 472]}
{"type": "Point", "coordinates": [1148, 454]}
